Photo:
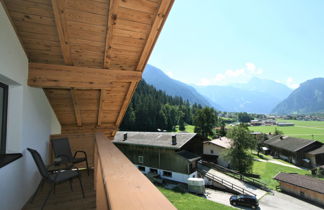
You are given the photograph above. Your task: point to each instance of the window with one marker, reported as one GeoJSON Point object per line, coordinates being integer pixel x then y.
{"type": "Point", "coordinates": [141, 168]}
{"type": "Point", "coordinates": [167, 173]}
{"type": "Point", "coordinates": [3, 117]}
{"type": "Point", "coordinates": [5, 158]}
{"type": "Point", "coordinates": [211, 151]}
{"type": "Point", "coordinates": [153, 171]}
{"type": "Point", "coordinates": [140, 159]}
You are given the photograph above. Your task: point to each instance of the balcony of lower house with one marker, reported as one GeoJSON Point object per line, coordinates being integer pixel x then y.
{"type": "Point", "coordinates": [113, 183]}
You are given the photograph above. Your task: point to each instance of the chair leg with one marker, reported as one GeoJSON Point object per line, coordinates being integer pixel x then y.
{"type": "Point", "coordinates": [79, 178]}
{"type": "Point", "coordinates": [71, 180]}
{"type": "Point", "coordinates": [54, 188]}
{"type": "Point", "coordinates": [47, 197]}
{"type": "Point", "coordinates": [87, 167]}
{"type": "Point", "coordinates": [38, 187]}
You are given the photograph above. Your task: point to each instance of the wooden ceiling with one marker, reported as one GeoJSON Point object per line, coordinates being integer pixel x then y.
{"type": "Point", "coordinates": [88, 55]}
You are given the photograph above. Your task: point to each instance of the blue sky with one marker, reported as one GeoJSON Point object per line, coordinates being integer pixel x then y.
{"type": "Point", "coordinates": [218, 42]}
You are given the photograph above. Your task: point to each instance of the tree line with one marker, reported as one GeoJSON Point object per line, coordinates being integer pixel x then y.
{"type": "Point", "coordinates": [154, 110]}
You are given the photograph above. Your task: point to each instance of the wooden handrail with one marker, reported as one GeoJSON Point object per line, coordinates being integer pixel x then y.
{"type": "Point", "coordinates": [119, 184]}
{"type": "Point", "coordinates": [225, 183]}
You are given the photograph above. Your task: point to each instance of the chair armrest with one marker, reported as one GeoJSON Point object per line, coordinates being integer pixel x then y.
{"type": "Point", "coordinates": [79, 151]}
{"type": "Point", "coordinates": [64, 158]}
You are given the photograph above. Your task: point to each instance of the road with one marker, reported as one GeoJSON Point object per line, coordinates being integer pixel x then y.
{"type": "Point", "coordinates": [278, 201]}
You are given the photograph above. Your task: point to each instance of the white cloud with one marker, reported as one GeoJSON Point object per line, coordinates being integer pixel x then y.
{"type": "Point", "coordinates": [233, 76]}
{"type": "Point", "coordinates": [291, 83]}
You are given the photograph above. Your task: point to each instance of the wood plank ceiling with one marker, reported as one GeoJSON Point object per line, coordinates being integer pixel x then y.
{"type": "Point", "coordinates": [88, 55]}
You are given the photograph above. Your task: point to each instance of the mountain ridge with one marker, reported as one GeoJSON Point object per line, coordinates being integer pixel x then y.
{"type": "Point", "coordinates": [156, 77]}
{"type": "Point", "coordinates": [307, 99]}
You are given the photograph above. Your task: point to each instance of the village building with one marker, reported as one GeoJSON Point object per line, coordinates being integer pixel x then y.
{"type": "Point", "coordinates": [255, 122]}
{"type": "Point", "coordinates": [294, 150]}
{"type": "Point", "coordinates": [172, 156]}
{"type": "Point", "coordinates": [316, 156]}
{"type": "Point", "coordinates": [285, 124]}
{"type": "Point", "coordinates": [305, 187]}
{"type": "Point", "coordinates": [216, 149]}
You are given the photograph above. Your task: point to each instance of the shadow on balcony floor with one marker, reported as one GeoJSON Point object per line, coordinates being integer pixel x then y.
{"type": "Point", "coordinates": [64, 198]}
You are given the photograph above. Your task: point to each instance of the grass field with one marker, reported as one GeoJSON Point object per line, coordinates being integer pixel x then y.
{"type": "Point", "coordinates": [187, 201]}
{"type": "Point", "coordinates": [268, 170]}
{"type": "Point", "coordinates": [313, 130]}
{"type": "Point", "coordinates": [189, 128]}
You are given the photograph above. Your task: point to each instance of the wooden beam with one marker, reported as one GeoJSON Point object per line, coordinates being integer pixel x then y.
{"type": "Point", "coordinates": [158, 23]}
{"type": "Point", "coordinates": [100, 109]}
{"type": "Point", "coordinates": [106, 128]}
{"type": "Point", "coordinates": [60, 76]}
{"type": "Point", "coordinates": [59, 15]}
{"type": "Point", "coordinates": [76, 107]}
{"type": "Point", "coordinates": [112, 18]}
{"type": "Point", "coordinates": [123, 109]}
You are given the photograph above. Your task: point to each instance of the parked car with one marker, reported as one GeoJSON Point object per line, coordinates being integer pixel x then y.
{"type": "Point", "coordinates": [244, 200]}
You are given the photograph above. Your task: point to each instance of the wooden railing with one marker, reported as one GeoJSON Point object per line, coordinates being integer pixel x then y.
{"type": "Point", "coordinates": [119, 184]}
{"type": "Point", "coordinates": [227, 184]}
{"type": "Point", "coordinates": [236, 175]}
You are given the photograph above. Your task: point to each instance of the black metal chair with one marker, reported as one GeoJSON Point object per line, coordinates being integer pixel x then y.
{"type": "Point", "coordinates": [62, 150]}
{"type": "Point", "coordinates": [54, 178]}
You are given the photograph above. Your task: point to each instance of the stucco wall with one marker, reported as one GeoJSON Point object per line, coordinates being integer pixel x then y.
{"type": "Point", "coordinates": [30, 121]}
{"type": "Point", "coordinates": [212, 149]}
{"type": "Point", "coordinates": [178, 177]}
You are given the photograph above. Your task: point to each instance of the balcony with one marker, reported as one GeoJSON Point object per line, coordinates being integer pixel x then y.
{"type": "Point", "coordinates": [115, 183]}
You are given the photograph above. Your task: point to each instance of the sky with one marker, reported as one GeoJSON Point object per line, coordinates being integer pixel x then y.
{"type": "Point", "coordinates": [220, 42]}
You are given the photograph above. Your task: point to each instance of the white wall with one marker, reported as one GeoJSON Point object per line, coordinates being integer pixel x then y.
{"type": "Point", "coordinates": [30, 121]}
{"type": "Point", "coordinates": [178, 177]}
{"type": "Point", "coordinates": [217, 151]}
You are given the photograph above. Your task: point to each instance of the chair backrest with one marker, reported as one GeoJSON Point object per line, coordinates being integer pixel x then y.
{"type": "Point", "coordinates": [61, 148]}
{"type": "Point", "coordinates": [39, 163]}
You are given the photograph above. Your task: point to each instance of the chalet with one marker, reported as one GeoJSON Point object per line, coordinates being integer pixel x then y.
{"type": "Point", "coordinates": [316, 156]}
{"type": "Point", "coordinates": [305, 187]}
{"type": "Point", "coordinates": [173, 156]}
{"type": "Point", "coordinates": [69, 68]}
{"type": "Point", "coordinates": [215, 150]}
{"type": "Point", "coordinates": [293, 149]}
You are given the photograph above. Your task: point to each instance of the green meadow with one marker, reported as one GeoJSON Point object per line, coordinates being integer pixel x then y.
{"type": "Point", "coordinates": [313, 130]}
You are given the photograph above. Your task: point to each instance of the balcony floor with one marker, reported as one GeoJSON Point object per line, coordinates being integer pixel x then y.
{"type": "Point", "coordinates": [64, 198]}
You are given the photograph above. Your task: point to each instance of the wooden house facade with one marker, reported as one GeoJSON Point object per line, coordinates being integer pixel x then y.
{"type": "Point", "coordinates": [304, 187]}
{"type": "Point", "coordinates": [173, 156]}
{"type": "Point", "coordinates": [293, 150]}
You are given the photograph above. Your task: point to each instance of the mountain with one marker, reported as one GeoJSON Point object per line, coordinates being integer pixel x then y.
{"type": "Point", "coordinates": [256, 96]}
{"type": "Point", "coordinates": [308, 98]}
{"type": "Point", "coordinates": [161, 81]}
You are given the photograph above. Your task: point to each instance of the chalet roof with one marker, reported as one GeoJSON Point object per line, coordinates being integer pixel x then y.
{"type": "Point", "coordinates": [155, 139]}
{"type": "Point", "coordinates": [223, 142]}
{"type": "Point", "coordinates": [303, 181]}
{"type": "Point", "coordinates": [188, 155]}
{"type": "Point", "coordinates": [317, 151]}
{"type": "Point", "coordinates": [288, 143]}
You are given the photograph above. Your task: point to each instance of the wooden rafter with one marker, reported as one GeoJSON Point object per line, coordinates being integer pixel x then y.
{"type": "Point", "coordinates": [100, 109]}
{"type": "Point", "coordinates": [105, 127]}
{"type": "Point", "coordinates": [112, 17]}
{"type": "Point", "coordinates": [76, 107]}
{"type": "Point", "coordinates": [158, 23]}
{"type": "Point", "coordinates": [59, 14]}
{"type": "Point", "coordinates": [60, 76]}
{"type": "Point", "coordinates": [127, 99]}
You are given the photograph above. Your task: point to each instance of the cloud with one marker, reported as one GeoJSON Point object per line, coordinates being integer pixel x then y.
{"type": "Point", "coordinates": [232, 76]}
{"type": "Point", "coordinates": [291, 83]}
